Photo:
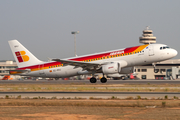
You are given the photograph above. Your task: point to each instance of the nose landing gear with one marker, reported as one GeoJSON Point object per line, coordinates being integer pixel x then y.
{"type": "Point", "coordinates": [155, 70]}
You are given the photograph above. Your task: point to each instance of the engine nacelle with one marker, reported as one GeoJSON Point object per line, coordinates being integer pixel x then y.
{"type": "Point", "coordinates": [111, 68]}
{"type": "Point", "coordinates": [127, 70]}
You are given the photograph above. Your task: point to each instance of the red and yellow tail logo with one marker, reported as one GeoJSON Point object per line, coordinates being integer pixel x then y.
{"type": "Point", "coordinates": [21, 56]}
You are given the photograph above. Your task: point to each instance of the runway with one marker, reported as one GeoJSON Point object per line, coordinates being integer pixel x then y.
{"type": "Point", "coordinates": [88, 95]}
{"type": "Point", "coordinates": [87, 82]}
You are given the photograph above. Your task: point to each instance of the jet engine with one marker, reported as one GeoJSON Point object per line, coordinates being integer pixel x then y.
{"type": "Point", "coordinates": [111, 68]}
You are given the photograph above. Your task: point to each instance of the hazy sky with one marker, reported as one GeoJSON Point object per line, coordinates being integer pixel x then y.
{"type": "Point", "coordinates": [44, 26]}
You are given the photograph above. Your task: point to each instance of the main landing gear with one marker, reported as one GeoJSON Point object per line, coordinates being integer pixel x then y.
{"type": "Point", "coordinates": [103, 80]}
{"type": "Point", "coordinates": [94, 80]}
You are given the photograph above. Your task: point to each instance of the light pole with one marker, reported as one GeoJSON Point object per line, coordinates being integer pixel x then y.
{"type": "Point", "coordinates": [75, 32]}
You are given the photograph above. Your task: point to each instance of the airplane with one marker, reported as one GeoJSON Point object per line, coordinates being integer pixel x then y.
{"type": "Point", "coordinates": [121, 61]}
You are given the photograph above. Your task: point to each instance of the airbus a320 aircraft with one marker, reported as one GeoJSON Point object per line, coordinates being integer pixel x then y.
{"type": "Point", "coordinates": [119, 61]}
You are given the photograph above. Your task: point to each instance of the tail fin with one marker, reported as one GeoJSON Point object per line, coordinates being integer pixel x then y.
{"type": "Point", "coordinates": [22, 56]}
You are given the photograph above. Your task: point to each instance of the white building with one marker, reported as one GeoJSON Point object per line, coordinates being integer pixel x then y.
{"type": "Point", "coordinates": [165, 70]}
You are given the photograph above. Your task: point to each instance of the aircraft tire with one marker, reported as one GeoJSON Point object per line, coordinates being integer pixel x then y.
{"type": "Point", "coordinates": [123, 77]}
{"type": "Point", "coordinates": [103, 80]}
{"type": "Point", "coordinates": [156, 70]}
{"type": "Point", "coordinates": [93, 80]}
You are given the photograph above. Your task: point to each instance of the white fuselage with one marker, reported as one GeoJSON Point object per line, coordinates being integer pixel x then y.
{"type": "Point", "coordinates": [150, 54]}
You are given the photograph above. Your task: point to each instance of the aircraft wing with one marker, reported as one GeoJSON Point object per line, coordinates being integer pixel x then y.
{"type": "Point", "coordinates": [84, 65]}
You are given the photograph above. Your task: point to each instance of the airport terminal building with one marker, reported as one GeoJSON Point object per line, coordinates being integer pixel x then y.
{"type": "Point", "coordinates": [169, 69]}
{"type": "Point", "coordinates": [7, 65]}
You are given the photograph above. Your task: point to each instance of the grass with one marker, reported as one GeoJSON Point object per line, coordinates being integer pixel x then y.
{"type": "Point", "coordinates": [113, 102]}
{"type": "Point", "coordinates": [89, 109]}
{"type": "Point", "coordinates": [93, 87]}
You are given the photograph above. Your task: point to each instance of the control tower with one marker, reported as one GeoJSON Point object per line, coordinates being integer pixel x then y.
{"type": "Point", "coordinates": [147, 36]}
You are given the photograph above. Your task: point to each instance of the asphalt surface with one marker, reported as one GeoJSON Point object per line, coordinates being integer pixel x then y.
{"type": "Point", "coordinates": [88, 95]}
{"type": "Point", "coordinates": [87, 82]}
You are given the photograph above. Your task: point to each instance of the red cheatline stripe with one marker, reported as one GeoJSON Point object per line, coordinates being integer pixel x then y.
{"type": "Point", "coordinates": [126, 50]}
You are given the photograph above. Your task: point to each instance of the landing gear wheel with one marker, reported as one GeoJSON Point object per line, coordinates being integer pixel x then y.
{"type": "Point", "coordinates": [103, 80]}
{"type": "Point", "coordinates": [93, 80]}
{"type": "Point", "coordinates": [123, 78]}
{"type": "Point", "coordinates": [156, 70]}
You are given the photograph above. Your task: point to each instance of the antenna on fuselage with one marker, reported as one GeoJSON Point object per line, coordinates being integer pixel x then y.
{"type": "Point", "coordinates": [147, 36]}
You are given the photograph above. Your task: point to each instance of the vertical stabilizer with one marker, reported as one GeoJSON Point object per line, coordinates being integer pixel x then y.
{"type": "Point", "coordinates": [22, 56]}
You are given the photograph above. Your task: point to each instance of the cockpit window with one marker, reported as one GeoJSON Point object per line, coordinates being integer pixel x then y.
{"type": "Point", "coordinates": [164, 47]}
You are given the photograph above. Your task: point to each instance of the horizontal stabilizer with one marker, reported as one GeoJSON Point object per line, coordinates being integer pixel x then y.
{"type": "Point", "coordinates": [18, 71]}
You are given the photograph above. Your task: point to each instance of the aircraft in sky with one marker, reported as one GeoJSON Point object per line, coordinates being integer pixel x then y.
{"type": "Point", "coordinates": [121, 61]}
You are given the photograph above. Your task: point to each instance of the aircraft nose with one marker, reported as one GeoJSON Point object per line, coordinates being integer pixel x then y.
{"type": "Point", "coordinates": [174, 53]}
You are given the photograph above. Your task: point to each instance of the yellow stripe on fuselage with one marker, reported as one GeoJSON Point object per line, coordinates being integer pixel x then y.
{"type": "Point", "coordinates": [140, 48]}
